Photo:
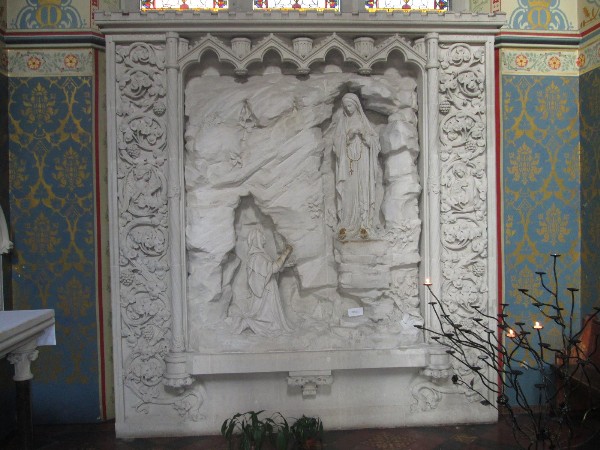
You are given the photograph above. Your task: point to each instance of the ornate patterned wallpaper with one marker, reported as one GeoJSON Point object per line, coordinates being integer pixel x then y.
{"type": "Point", "coordinates": [589, 54]}
{"type": "Point", "coordinates": [52, 206]}
{"type": "Point", "coordinates": [589, 14]}
{"type": "Point", "coordinates": [589, 88]}
{"type": "Point", "coordinates": [49, 14]}
{"type": "Point", "coordinates": [538, 15]}
{"type": "Point", "coordinates": [541, 192]}
{"type": "Point", "coordinates": [534, 61]}
{"type": "Point", "coordinates": [64, 62]}
{"type": "Point", "coordinates": [55, 14]}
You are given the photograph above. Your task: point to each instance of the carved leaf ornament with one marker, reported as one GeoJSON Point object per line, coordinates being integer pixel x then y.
{"type": "Point", "coordinates": [463, 182]}
{"type": "Point", "coordinates": [143, 228]}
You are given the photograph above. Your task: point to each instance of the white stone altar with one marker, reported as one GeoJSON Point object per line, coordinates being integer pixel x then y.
{"type": "Point", "coordinates": [21, 332]}
{"type": "Point", "coordinates": [278, 193]}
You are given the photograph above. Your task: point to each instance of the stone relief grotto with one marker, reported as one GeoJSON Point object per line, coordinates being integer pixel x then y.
{"type": "Point", "coordinates": [302, 204]}
{"type": "Point", "coordinates": [278, 195]}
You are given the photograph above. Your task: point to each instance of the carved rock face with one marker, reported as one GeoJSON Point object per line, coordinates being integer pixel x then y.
{"type": "Point", "coordinates": [261, 154]}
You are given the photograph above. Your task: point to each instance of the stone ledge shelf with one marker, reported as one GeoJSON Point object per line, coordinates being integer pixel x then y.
{"type": "Point", "coordinates": [238, 363]}
{"type": "Point", "coordinates": [251, 22]}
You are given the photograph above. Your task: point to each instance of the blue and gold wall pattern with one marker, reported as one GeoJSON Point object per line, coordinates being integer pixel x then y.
{"type": "Point", "coordinates": [541, 204]}
{"type": "Point", "coordinates": [52, 207]}
{"type": "Point", "coordinates": [590, 187]}
{"type": "Point", "coordinates": [44, 14]}
{"type": "Point", "coordinates": [540, 181]}
{"type": "Point", "coordinates": [539, 15]}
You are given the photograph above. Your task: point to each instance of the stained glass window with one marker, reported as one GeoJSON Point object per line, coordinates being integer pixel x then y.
{"type": "Point", "coordinates": [295, 4]}
{"type": "Point", "coordinates": [334, 4]}
{"type": "Point", "coordinates": [441, 5]}
{"type": "Point", "coordinates": [183, 4]}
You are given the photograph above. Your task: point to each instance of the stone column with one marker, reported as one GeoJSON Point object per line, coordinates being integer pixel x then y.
{"type": "Point", "coordinates": [176, 373]}
{"type": "Point", "coordinates": [21, 359]}
{"type": "Point", "coordinates": [432, 243]}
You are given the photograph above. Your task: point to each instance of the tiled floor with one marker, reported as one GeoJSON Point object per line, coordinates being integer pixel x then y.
{"type": "Point", "coordinates": [468, 437]}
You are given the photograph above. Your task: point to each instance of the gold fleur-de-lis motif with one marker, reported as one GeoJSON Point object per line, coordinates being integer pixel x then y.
{"type": "Point", "coordinates": [552, 103]}
{"type": "Point", "coordinates": [554, 225]}
{"type": "Point", "coordinates": [509, 228]}
{"type": "Point", "coordinates": [40, 106]}
{"type": "Point", "coordinates": [571, 167]}
{"type": "Point", "coordinates": [524, 165]}
{"type": "Point", "coordinates": [42, 235]}
{"type": "Point", "coordinates": [69, 296]}
{"type": "Point", "coordinates": [527, 279]}
{"type": "Point", "coordinates": [71, 170]}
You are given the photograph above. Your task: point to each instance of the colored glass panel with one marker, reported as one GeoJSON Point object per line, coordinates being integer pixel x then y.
{"type": "Point", "coordinates": [183, 4]}
{"type": "Point", "coordinates": [294, 4]}
{"type": "Point", "coordinates": [407, 4]}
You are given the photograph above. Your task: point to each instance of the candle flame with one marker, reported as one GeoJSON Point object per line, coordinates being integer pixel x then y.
{"type": "Point", "coordinates": [537, 326]}
{"type": "Point", "coordinates": [511, 333]}
{"type": "Point", "coordinates": [427, 282]}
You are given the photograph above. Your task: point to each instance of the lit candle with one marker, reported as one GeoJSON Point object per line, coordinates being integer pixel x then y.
{"type": "Point", "coordinates": [537, 326]}
{"type": "Point", "coordinates": [427, 282]}
{"type": "Point", "coordinates": [511, 333]}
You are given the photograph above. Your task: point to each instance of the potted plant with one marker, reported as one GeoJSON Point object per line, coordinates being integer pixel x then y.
{"type": "Point", "coordinates": [249, 430]}
{"type": "Point", "coordinates": [307, 433]}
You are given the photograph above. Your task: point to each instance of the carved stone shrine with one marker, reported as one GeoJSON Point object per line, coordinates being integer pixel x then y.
{"type": "Point", "coordinates": [278, 194]}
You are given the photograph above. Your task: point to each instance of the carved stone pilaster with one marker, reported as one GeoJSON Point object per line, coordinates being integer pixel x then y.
{"type": "Point", "coordinates": [310, 380]}
{"type": "Point", "coordinates": [464, 223]}
{"type": "Point", "coordinates": [150, 323]}
{"type": "Point", "coordinates": [463, 190]}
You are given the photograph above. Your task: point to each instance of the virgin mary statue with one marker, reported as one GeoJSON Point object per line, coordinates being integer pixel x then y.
{"type": "Point", "coordinates": [356, 146]}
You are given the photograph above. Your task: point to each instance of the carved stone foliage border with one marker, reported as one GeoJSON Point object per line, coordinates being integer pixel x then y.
{"type": "Point", "coordinates": [143, 214]}
{"type": "Point", "coordinates": [147, 316]}
{"type": "Point", "coordinates": [463, 154]}
{"type": "Point", "coordinates": [463, 180]}
{"type": "Point", "coordinates": [464, 145]}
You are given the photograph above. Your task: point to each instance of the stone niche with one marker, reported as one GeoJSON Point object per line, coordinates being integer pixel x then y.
{"type": "Point", "coordinates": [277, 195]}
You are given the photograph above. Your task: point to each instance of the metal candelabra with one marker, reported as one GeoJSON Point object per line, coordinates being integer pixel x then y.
{"type": "Point", "coordinates": [490, 355]}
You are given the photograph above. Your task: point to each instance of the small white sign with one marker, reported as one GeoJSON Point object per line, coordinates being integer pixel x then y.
{"type": "Point", "coordinates": [355, 312]}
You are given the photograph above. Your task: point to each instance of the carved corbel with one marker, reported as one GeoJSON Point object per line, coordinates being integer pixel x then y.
{"type": "Point", "coordinates": [364, 46]}
{"type": "Point", "coordinates": [429, 393]}
{"type": "Point", "coordinates": [241, 46]}
{"type": "Point", "coordinates": [310, 380]}
{"type": "Point", "coordinates": [302, 46]}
